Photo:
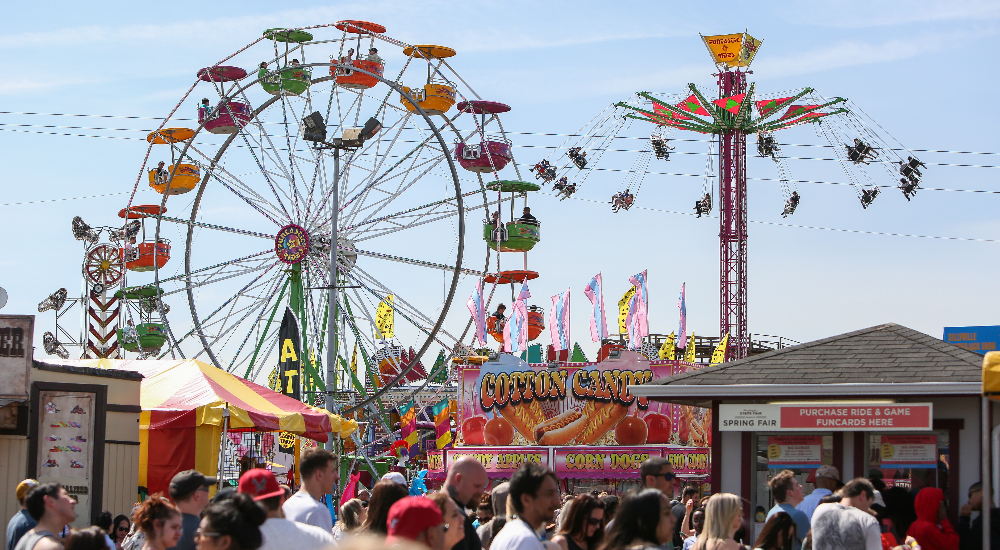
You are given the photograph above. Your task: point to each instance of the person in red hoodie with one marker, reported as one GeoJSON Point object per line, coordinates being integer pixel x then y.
{"type": "Point", "coordinates": [932, 530]}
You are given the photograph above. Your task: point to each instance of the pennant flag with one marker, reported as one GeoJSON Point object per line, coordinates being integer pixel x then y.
{"type": "Point", "coordinates": [689, 352]}
{"type": "Point", "coordinates": [408, 426]}
{"type": "Point", "coordinates": [750, 47]}
{"type": "Point", "coordinates": [719, 355]}
{"type": "Point", "coordinates": [638, 318]}
{"type": "Point", "coordinates": [598, 324]}
{"type": "Point", "coordinates": [515, 332]}
{"type": "Point", "coordinates": [524, 293]}
{"type": "Point", "coordinates": [666, 116]}
{"type": "Point", "coordinates": [623, 306]}
{"type": "Point", "coordinates": [766, 106]}
{"type": "Point", "coordinates": [290, 359]}
{"type": "Point", "coordinates": [442, 372]}
{"type": "Point", "coordinates": [796, 110]}
{"type": "Point", "coordinates": [350, 488]}
{"type": "Point", "coordinates": [732, 103]}
{"type": "Point", "coordinates": [478, 312]}
{"type": "Point", "coordinates": [578, 355]}
{"type": "Point", "coordinates": [682, 329]}
{"type": "Point", "coordinates": [668, 349]}
{"type": "Point", "coordinates": [442, 423]}
{"type": "Point", "coordinates": [384, 319]}
{"type": "Point", "coordinates": [559, 321]}
{"type": "Point", "coordinates": [354, 359]}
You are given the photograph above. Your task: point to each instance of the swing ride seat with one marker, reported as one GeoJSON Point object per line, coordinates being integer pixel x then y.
{"type": "Point", "coordinates": [492, 154]}
{"type": "Point", "coordinates": [291, 80]}
{"type": "Point", "coordinates": [435, 98]}
{"type": "Point", "coordinates": [148, 337]}
{"type": "Point", "coordinates": [521, 237]}
{"type": "Point", "coordinates": [356, 80]}
{"type": "Point", "coordinates": [513, 186]}
{"type": "Point", "coordinates": [186, 178]}
{"type": "Point", "coordinates": [494, 329]}
{"type": "Point", "coordinates": [225, 118]}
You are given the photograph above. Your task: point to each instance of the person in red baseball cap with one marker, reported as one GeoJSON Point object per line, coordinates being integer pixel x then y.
{"type": "Point", "coordinates": [279, 533]}
{"type": "Point", "coordinates": [416, 519]}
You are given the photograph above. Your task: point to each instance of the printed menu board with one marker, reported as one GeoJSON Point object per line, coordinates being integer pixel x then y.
{"type": "Point", "coordinates": [65, 445]}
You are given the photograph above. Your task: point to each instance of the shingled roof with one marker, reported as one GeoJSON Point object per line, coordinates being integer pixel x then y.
{"type": "Point", "coordinates": [883, 354]}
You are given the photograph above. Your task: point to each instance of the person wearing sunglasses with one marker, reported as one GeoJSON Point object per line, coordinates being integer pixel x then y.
{"type": "Point", "coordinates": [583, 528]}
{"type": "Point", "coordinates": [233, 524]}
{"type": "Point", "coordinates": [452, 516]}
{"type": "Point", "coordinates": [657, 473]}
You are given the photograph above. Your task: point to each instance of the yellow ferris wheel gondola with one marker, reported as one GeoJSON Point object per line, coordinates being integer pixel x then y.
{"type": "Point", "coordinates": [438, 95]}
{"type": "Point", "coordinates": [179, 177]}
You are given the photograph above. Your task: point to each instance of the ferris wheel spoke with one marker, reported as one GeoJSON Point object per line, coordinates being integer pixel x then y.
{"type": "Point", "coordinates": [449, 201]}
{"type": "Point", "coordinates": [220, 274]}
{"type": "Point", "coordinates": [206, 322]}
{"type": "Point", "coordinates": [375, 206]}
{"type": "Point", "coordinates": [401, 227]}
{"type": "Point", "coordinates": [270, 212]}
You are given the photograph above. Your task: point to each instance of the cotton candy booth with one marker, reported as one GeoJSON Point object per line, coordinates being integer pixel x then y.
{"type": "Point", "coordinates": [578, 419]}
{"type": "Point", "coordinates": [193, 412]}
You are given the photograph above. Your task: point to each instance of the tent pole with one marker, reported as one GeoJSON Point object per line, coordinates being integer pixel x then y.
{"type": "Point", "coordinates": [222, 446]}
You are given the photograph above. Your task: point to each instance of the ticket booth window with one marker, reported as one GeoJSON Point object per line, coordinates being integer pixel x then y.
{"type": "Point", "coordinates": [801, 453]}
{"type": "Point", "coordinates": [905, 459]}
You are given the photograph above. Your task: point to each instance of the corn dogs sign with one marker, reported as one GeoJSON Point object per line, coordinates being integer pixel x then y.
{"type": "Point", "coordinates": [510, 402]}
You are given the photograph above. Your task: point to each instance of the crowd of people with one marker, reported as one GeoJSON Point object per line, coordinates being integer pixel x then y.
{"type": "Point", "coordinates": [528, 512]}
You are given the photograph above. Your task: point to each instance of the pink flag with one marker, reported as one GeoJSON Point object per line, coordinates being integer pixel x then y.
{"type": "Point", "coordinates": [637, 319]}
{"type": "Point", "coordinates": [598, 324]}
{"type": "Point", "coordinates": [559, 321]}
{"type": "Point", "coordinates": [682, 335]}
{"type": "Point", "coordinates": [515, 332]}
{"type": "Point", "coordinates": [478, 312]}
{"type": "Point", "coordinates": [350, 489]}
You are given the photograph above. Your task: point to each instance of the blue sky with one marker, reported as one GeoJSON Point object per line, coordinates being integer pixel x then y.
{"type": "Point", "coordinates": [921, 69]}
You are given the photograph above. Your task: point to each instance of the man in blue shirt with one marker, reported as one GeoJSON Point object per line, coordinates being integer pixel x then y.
{"type": "Point", "coordinates": [826, 478]}
{"type": "Point", "coordinates": [787, 493]}
{"type": "Point", "coordinates": [22, 522]}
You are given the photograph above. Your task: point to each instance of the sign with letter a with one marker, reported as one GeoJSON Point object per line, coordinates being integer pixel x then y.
{"type": "Point", "coordinates": [290, 356]}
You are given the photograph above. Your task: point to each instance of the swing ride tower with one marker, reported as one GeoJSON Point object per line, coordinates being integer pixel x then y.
{"type": "Point", "coordinates": [731, 118]}
{"type": "Point", "coordinates": [733, 225]}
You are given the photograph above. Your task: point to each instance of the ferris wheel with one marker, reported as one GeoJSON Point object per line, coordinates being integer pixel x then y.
{"type": "Point", "coordinates": [316, 150]}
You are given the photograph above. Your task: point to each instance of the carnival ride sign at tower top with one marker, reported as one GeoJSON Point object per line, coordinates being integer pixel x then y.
{"type": "Point", "coordinates": [510, 402]}
{"type": "Point", "coordinates": [732, 50]}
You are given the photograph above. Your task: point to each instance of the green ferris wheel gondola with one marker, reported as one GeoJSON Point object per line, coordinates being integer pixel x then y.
{"type": "Point", "coordinates": [147, 337]}
{"type": "Point", "coordinates": [513, 186]}
{"type": "Point", "coordinates": [521, 237]}
{"type": "Point", "coordinates": [291, 80]}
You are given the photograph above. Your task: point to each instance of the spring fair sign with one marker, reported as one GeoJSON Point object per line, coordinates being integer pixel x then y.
{"type": "Point", "coordinates": [511, 402]}
{"type": "Point", "coordinates": [826, 416]}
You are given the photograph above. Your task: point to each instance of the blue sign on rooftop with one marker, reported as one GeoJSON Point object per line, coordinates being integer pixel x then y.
{"type": "Point", "coordinates": [977, 339]}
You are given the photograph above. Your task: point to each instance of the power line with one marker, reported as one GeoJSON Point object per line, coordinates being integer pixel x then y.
{"type": "Point", "coordinates": [839, 230]}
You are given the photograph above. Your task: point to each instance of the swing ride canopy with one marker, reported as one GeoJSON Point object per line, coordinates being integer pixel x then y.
{"type": "Point", "coordinates": [176, 388]}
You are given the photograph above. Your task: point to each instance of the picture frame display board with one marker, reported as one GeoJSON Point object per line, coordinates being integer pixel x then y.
{"type": "Point", "coordinates": [66, 433]}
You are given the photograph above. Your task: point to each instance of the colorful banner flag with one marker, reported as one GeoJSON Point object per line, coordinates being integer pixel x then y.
{"type": "Point", "coordinates": [638, 318]}
{"type": "Point", "coordinates": [725, 48]}
{"type": "Point", "coordinates": [719, 355]}
{"type": "Point", "coordinates": [689, 351]}
{"type": "Point", "coordinates": [354, 359]}
{"type": "Point", "coordinates": [524, 293]}
{"type": "Point", "coordinates": [442, 423]}
{"type": "Point", "coordinates": [692, 105]}
{"type": "Point", "coordinates": [408, 426]}
{"type": "Point", "coordinates": [750, 47]}
{"type": "Point", "coordinates": [384, 319]}
{"type": "Point", "coordinates": [623, 306]}
{"type": "Point", "coordinates": [515, 332]}
{"type": "Point", "coordinates": [559, 321]}
{"type": "Point", "coordinates": [598, 324]}
{"type": "Point", "coordinates": [478, 311]}
{"type": "Point", "coordinates": [290, 357]}
{"type": "Point", "coordinates": [682, 329]}
{"type": "Point", "coordinates": [669, 350]}
{"type": "Point", "coordinates": [797, 110]}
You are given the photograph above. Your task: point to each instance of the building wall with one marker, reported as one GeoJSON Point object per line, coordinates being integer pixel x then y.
{"type": "Point", "coordinates": [733, 463]}
{"type": "Point", "coordinates": [121, 478]}
{"type": "Point", "coordinates": [968, 409]}
{"type": "Point", "coordinates": [13, 468]}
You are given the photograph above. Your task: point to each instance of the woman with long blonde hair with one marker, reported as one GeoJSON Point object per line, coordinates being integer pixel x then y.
{"type": "Point", "coordinates": [723, 517]}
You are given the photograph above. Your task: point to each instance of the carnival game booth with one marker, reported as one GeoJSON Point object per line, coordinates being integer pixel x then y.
{"type": "Point", "coordinates": [195, 415]}
{"type": "Point", "coordinates": [883, 402]}
{"type": "Point", "coordinates": [577, 418]}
